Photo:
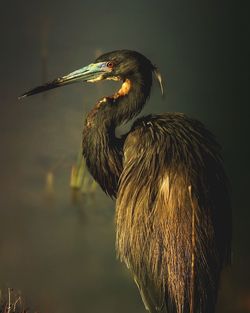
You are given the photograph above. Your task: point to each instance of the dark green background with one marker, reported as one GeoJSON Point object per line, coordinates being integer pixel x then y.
{"type": "Point", "coordinates": [60, 252]}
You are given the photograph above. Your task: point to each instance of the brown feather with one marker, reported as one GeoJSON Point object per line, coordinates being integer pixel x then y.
{"type": "Point", "coordinates": [167, 214]}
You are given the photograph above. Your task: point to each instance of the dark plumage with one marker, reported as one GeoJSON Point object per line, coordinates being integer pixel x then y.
{"type": "Point", "coordinates": [172, 186]}
{"type": "Point", "coordinates": [173, 214]}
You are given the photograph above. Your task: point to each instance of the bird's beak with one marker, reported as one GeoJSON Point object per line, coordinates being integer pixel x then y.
{"type": "Point", "coordinates": [90, 73]}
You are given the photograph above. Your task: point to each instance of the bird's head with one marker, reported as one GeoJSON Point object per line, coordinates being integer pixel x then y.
{"type": "Point", "coordinates": [115, 65]}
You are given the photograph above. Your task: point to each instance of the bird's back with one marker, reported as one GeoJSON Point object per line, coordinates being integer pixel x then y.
{"type": "Point", "coordinates": [173, 213]}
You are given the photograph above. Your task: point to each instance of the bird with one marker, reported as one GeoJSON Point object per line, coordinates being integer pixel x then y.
{"type": "Point", "coordinates": [173, 213]}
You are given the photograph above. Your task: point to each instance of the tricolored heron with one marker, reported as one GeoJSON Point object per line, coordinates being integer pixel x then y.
{"type": "Point", "coordinates": [173, 217]}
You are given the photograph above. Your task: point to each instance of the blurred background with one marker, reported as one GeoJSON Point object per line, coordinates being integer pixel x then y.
{"type": "Point", "coordinates": [57, 244]}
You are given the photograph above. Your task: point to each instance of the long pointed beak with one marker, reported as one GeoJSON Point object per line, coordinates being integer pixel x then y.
{"type": "Point", "coordinates": [91, 73]}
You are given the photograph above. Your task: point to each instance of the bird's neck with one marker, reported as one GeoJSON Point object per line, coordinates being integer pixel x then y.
{"type": "Point", "coordinates": [101, 148]}
{"type": "Point", "coordinates": [129, 100]}
{"type": "Point", "coordinates": [121, 107]}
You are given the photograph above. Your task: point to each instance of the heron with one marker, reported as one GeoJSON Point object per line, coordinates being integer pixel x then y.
{"type": "Point", "coordinates": [173, 213]}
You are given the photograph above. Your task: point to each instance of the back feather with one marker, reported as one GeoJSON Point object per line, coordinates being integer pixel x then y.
{"type": "Point", "coordinates": [173, 213]}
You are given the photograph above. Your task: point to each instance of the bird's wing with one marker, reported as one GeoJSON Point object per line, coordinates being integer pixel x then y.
{"type": "Point", "coordinates": [173, 215]}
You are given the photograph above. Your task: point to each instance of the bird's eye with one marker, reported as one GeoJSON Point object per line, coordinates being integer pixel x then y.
{"type": "Point", "coordinates": [110, 64]}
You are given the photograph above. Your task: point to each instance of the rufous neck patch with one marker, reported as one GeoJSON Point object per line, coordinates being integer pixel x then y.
{"type": "Point", "coordinates": [124, 90]}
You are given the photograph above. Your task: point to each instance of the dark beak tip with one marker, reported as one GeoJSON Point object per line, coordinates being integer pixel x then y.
{"type": "Point", "coordinates": [22, 97]}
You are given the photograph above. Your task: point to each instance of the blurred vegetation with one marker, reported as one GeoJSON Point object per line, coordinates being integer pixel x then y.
{"type": "Point", "coordinates": [80, 178]}
{"type": "Point", "coordinates": [11, 301]}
